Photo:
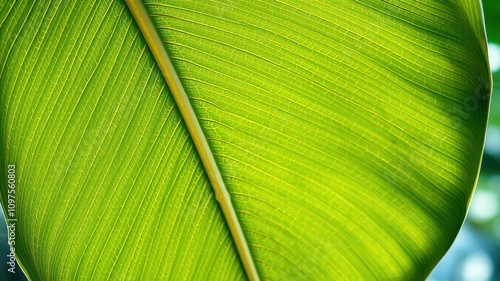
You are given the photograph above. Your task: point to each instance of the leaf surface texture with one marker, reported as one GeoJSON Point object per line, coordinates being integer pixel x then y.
{"type": "Point", "coordinates": [349, 135]}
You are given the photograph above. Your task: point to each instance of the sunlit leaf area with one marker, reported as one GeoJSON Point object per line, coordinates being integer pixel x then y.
{"type": "Point", "coordinates": [475, 254]}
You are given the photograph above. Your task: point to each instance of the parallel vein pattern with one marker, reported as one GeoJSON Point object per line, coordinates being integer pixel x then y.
{"type": "Point", "coordinates": [110, 186]}
{"type": "Point", "coordinates": [177, 89]}
{"type": "Point", "coordinates": [340, 126]}
{"type": "Point", "coordinates": [348, 134]}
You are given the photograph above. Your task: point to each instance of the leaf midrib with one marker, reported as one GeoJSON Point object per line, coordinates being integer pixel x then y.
{"type": "Point", "coordinates": [157, 48]}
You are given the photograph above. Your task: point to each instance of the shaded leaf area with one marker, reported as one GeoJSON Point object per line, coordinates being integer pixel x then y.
{"type": "Point", "coordinates": [348, 133]}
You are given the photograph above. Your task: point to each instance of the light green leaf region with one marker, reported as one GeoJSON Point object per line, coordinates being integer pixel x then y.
{"type": "Point", "coordinates": [349, 135]}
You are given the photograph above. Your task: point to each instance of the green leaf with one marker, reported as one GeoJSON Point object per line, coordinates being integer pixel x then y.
{"type": "Point", "coordinates": [347, 133]}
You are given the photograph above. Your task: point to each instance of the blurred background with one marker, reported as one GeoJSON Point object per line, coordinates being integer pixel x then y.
{"type": "Point", "coordinates": [475, 255]}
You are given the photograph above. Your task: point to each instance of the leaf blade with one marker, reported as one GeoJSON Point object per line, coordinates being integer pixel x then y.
{"type": "Point", "coordinates": [98, 162]}
{"type": "Point", "coordinates": [330, 93]}
{"type": "Point", "coordinates": [350, 141]}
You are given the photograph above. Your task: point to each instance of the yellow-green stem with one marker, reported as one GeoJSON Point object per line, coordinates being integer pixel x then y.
{"type": "Point", "coordinates": [221, 194]}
